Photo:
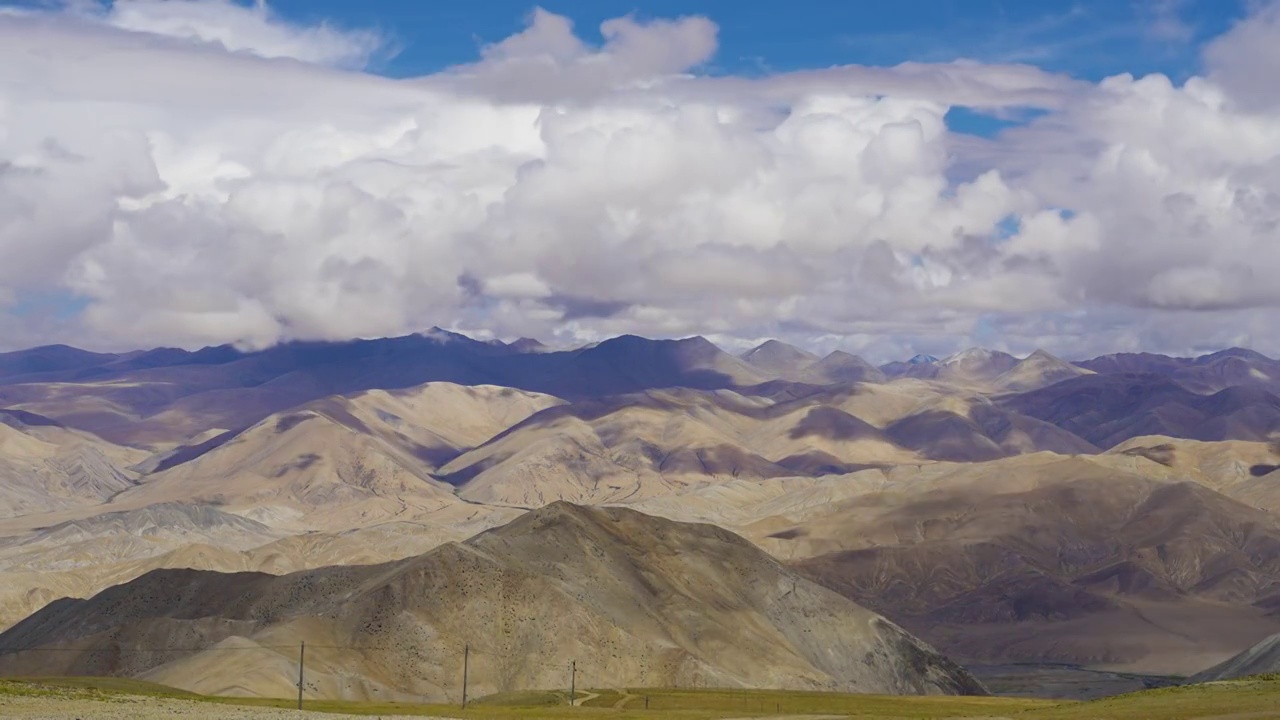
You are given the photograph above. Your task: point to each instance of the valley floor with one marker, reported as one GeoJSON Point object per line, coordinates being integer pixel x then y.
{"type": "Point", "coordinates": [1064, 682]}
{"type": "Point", "coordinates": [142, 708]}
{"type": "Point", "coordinates": [1250, 699]}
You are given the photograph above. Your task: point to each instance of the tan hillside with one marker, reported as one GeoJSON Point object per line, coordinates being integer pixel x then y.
{"type": "Point", "coordinates": [80, 557]}
{"type": "Point", "coordinates": [971, 428]}
{"type": "Point", "coordinates": [1106, 567]}
{"type": "Point", "coordinates": [1240, 469]}
{"type": "Point", "coordinates": [1096, 560]}
{"type": "Point", "coordinates": [46, 467]}
{"type": "Point", "coordinates": [640, 600]}
{"type": "Point", "coordinates": [877, 404]}
{"type": "Point", "coordinates": [781, 361]}
{"type": "Point", "coordinates": [1037, 370]}
{"type": "Point", "coordinates": [759, 508]}
{"type": "Point", "coordinates": [443, 419]}
{"type": "Point", "coordinates": [329, 465]}
{"type": "Point", "coordinates": [341, 462]}
{"type": "Point", "coordinates": [91, 406]}
{"type": "Point", "coordinates": [335, 464]}
{"type": "Point", "coordinates": [610, 451]}
{"type": "Point", "coordinates": [300, 470]}
{"type": "Point", "coordinates": [778, 359]}
{"type": "Point", "coordinates": [633, 447]}
{"type": "Point", "coordinates": [117, 547]}
{"type": "Point", "coordinates": [975, 367]}
{"type": "Point", "coordinates": [842, 367]}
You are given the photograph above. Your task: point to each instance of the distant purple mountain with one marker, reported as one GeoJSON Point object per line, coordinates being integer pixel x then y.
{"type": "Point", "coordinates": [232, 389]}
{"type": "Point", "coordinates": [1108, 409]}
{"type": "Point", "coordinates": [1206, 374]}
{"type": "Point", "coordinates": [228, 388]}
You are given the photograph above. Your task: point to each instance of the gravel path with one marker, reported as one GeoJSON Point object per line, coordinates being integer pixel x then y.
{"type": "Point", "coordinates": [126, 707]}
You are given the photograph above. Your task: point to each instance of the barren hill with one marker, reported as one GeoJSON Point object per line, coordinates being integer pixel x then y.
{"type": "Point", "coordinates": [778, 359]}
{"type": "Point", "coordinates": [842, 367]}
{"type": "Point", "coordinates": [360, 462]}
{"type": "Point", "coordinates": [1203, 375]}
{"type": "Point", "coordinates": [45, 466]}
{"type": "Point", "coordinates": [1260, 659]}
{"type": "Point", "coordinates": [975, 365]}
{"type": "Point", "coordinates": [1242, 470]}
{"type": "Point", "coordinates": [1064, 560]}
{"type": "Point", "coordinates": [331, 464]}
{"type": "Point", "coordinates": [632, 447]}
{"type": "Point", "coordinates": [80, 558]}
{"type": "Point", "coordinates": [1107, 410]}
{"type": "Point", "coordinates": [1037, 370]}
{"type": "Point", "coordinates": [627, 448]}
{"type": "Point", "coordinates": [1109, 559]}
{"type": "Point", "coordinates": [638, 600]}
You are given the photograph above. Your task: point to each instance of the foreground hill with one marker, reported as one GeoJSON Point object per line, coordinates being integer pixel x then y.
{"type": "Point", "coordinates": [640, 600]}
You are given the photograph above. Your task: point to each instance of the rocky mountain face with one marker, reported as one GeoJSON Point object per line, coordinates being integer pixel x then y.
{"type": "Point", "coordinates": [1117, 512]}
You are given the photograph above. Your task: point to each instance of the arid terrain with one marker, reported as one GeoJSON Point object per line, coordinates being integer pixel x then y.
{"type": "Point", "coordinates": [663, 512]}
{"type": "Point", "coordinates": [148, 708]}
{"type": "Point", "coordinates": [65, 699]}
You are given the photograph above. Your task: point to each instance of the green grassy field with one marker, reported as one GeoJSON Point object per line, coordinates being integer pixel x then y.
{"type": "Point", "coordinates": [82, 686]}
{"type": "Point", "coordinates": [1249, 699]}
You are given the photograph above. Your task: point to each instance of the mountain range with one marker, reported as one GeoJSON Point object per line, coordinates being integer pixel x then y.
{"type": "Point", "coordinates": [1119, 513]}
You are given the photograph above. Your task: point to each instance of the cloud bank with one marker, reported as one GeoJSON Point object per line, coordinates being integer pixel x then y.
{"type": "Point", "coordinates": [191, 172]}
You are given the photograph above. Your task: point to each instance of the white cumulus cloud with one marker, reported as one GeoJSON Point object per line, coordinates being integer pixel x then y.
{"type": "Point", "coordinates": [201, 171]}
{"type": "Point", "coordinates": [252, 29]}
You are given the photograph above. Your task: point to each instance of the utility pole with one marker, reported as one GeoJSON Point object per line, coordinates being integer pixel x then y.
{"type": "Point", "coordinates": [573, 681]}
{"type": "Point", "coordinates": [302, 656]}
{"type": "Point", "coordinates": [466, 659]}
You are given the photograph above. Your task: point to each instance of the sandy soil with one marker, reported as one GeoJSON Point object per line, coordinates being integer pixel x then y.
{"type": "Point", "coordinates": [142, 708]}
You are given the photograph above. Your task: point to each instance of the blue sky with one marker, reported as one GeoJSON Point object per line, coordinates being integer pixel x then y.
{"type": "Point", "coordinates": [1089, 39]}
{"type": "Point", "coordinates": [1086, 38]}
